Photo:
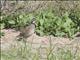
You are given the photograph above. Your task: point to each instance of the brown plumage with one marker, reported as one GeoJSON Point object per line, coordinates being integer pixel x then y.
{"type": "Point", "coordinates": [28, 30]}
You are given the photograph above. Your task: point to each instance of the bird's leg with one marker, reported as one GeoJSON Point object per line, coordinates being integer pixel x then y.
{"type": "Point", "coordinates": [32, 40]}
{"type": "Point", "coordinates": [24, 41]}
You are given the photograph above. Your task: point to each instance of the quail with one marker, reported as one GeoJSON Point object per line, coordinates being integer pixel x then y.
{"type": "Point", "coordinates": [28, 30]}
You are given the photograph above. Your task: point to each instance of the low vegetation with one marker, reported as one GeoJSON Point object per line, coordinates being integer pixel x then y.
{"type": "Point", "coordinates": [47, 23]}
{"type": "Point", "coordinates": [26, 52]}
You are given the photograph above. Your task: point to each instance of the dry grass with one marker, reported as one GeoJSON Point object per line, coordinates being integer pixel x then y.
{"type": "Point", "coordinates": [38, 48]}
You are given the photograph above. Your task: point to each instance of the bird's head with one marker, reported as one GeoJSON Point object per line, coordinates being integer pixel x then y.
{"type": "Point", "coordinates": [33, 21]}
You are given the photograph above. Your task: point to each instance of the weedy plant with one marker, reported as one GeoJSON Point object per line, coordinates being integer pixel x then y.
{"type": "Point", "coordinates": [21, 52]}
{"type": "Point", "coordinates": [47, 23]}
{"type": "Point", "coordinates": [26, 52]}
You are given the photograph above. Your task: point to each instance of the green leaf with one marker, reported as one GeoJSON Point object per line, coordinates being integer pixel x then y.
{"type": "Point", "coordinates": [30, 16]}
{"type": "Point", "coordinates": [41, 21]}
{"type": "Point", "coordinates": [40, 32]}
{"type": "Point", "coordinates": [20, 16]}
{"type": "Point", "coordinates": [2, 26]}
{"type": "Point", "coordinates": [11, 22]}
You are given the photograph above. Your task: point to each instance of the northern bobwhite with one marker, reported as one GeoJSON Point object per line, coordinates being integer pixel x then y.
{"type": "Point", "coordinates": [28, 30]}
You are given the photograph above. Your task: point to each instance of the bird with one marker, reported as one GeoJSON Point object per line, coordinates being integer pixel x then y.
{"type": "Point", "coordinates": [29, 30]}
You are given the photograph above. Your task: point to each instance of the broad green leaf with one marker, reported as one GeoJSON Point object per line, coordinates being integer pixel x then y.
{"type": "Point", "coordinates": [41, 22]}
{"type": "Point", "coordinates": [2, 26]}
{"type": "Point", "coordinates": [11, 22]}
{"type": "Point", "coordinates": [20, 16]}
{"type": "Point", "coordinates": [40, 32]}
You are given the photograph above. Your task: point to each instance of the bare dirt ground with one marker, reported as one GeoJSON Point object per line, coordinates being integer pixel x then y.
{"type": "Point", "coordinates": [10, 38]}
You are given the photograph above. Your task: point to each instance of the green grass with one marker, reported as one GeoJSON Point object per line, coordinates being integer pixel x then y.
{"type": "Point", "coordinates": [24, 52]}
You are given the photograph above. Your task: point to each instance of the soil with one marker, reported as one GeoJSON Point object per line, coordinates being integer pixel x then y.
{"type": "Point", "coordinates": [10, 39]}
